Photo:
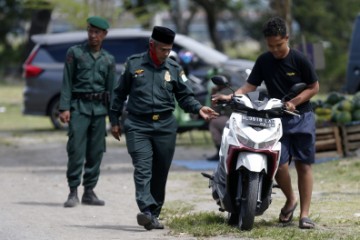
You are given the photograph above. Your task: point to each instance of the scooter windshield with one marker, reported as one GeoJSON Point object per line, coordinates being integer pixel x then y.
{"type": "Point", "coordinates": [258, 99]}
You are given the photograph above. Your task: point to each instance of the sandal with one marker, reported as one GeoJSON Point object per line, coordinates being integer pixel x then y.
{"type": "Point", "coordinates": [306, 223]}
{"type": "Point", "coordinates": [284, 213]}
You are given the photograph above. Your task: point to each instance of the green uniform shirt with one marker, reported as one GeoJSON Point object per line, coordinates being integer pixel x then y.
{"type": "Point", "coordinates": [150, 89]}
{"type": "Point", "coordinates": [85, 74]}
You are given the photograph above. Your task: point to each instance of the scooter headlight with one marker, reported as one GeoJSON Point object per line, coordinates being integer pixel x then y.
{"type": "Point", "coordinates": [273, 140]}
{"type": "Point", "coordinates": [241, 136]}
{"type": "Point", "coordinates": [246, 141]}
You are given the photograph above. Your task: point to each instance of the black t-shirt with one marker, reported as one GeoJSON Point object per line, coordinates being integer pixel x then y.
{"type": "Point", "coordinates": [280, 75]}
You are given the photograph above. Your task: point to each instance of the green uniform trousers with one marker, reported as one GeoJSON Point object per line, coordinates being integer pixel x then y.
{"type": "Point", "coordinates": [151, 145]}
{"type": "Point", "coordinates": [86, 143]}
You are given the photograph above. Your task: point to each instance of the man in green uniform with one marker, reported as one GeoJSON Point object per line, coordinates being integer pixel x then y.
{"type": "Point", "coordinates": [89, 76]}
{"type": "Point", "coordinates": [152, 81]}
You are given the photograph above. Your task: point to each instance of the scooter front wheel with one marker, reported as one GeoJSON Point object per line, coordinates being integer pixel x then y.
{"type": "Point", "coordinates": [250, 185]}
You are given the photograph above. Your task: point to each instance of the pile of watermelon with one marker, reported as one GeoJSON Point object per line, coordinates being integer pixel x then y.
{"type": "Point", "coordinates": [337, 108]}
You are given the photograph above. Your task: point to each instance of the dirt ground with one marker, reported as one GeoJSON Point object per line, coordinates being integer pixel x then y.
{"type": "Point", "coordinates": [33, 190]}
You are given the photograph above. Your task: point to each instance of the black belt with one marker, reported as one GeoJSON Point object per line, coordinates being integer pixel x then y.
{"type": "Point", "coordinates": [89, 96]}
{"type": "Point", "coordinates": [152, 116]}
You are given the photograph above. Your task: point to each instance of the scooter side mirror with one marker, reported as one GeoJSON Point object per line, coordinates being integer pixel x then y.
{"type": "Point", "coordinates": [295, 90]}
{"type": "Point", "coordinates": [220, 80]}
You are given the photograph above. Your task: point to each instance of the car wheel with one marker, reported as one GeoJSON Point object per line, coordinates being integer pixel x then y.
{"type": "Point", "coordinates": [54, 114]}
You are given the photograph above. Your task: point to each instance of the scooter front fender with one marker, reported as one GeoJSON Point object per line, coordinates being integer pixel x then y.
{"type": "Point", "coordinates": [254, 162]}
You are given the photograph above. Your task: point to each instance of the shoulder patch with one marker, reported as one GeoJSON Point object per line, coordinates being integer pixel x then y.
{"type": "Point", "coordinates": [183, 76]}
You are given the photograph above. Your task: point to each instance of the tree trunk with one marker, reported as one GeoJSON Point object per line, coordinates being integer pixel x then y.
{"type": "Point", "coordinates": [181, 20]}
{"type": "Point", "coordinates": [211, 9]}
{"type": "Point", "coordinates": [40, 20]}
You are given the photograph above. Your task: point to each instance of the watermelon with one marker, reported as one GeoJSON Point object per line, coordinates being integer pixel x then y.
{"type": "Point", "coordinates": [343, 117]}
{"type": "Point", "coordinates": [345, 105]}
{"type": "Point", "coordinates": [356, 103]}
{"type": "Point", "coordinates": [356, 115]}
{"type": "Point", "coordinates": [334, 97]}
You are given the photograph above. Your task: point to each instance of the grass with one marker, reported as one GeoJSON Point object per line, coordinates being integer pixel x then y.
{"type": "Point", "coordinates": [13, 122]}
{"type": "Point", "coordinates": [335, 208]}
{"type": "Point", "coordinates": [11, 117]}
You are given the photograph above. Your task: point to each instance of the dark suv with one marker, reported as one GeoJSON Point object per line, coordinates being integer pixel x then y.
{"type": "Point", "coordinates": [43, 69]}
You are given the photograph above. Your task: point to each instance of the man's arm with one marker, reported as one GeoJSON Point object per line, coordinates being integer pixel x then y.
{"type": "Point", "coordinates": [243, 90]}
{"type": "Point", "coordinates": [304, 96]}
{"type": "Point", "coordinates": [65, 96]}
{"type": "Point", "coordinates": [118, 97]}
{"type": "Point", "coordinates": [66, 87]}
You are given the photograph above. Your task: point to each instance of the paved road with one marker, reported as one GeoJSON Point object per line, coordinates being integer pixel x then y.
{"type": "Point", "coordinates": [33, 189]}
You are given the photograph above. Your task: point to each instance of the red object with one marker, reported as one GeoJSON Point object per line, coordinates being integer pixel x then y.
{"type": "Point", "coordinates": [31, 70]}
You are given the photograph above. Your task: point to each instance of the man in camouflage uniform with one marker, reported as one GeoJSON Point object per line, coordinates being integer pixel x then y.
{"type": "Point", "coordinates": [152, 81]}
{"type": "Point", "coordinates": [89, 75]}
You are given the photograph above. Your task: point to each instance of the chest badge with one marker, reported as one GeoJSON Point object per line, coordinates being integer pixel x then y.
{"type": "Point", "coordinates": [139, 72]}
{"type": "Point", "coordinates": [167, 76]}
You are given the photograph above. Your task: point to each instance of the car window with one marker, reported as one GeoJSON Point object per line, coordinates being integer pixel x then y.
{"type": "Point", "coordinates": [123, 48]}
{"type": "Point", "coordinates": [53, 53]}
{"type": "Point", "coordinates": [197, 62]}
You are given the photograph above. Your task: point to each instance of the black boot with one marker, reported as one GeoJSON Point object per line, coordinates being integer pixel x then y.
{"type": "Point", "coordinates": [73, 199]}
{"type": "Point", "coordinates": [89, 198]}
{"type": "Point", "coordinates": [149, 221]}
{"type": "Point", "coordinates": [216, 156]}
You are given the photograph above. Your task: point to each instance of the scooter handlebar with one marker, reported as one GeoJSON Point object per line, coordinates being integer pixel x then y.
{"type": "Point", "coordinates": [222, 102]}
{"type": "Point", "coordinates": [294, 113]}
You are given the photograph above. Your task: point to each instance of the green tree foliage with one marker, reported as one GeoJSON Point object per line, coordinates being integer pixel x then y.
{"type": "Point", "coordinates": [145, 10]}
{"type": "Point", "coordinates": [322, 21]}
{"type": "Point", "coordinates": [331, 22]}
{"type": "Point", "coordinates": [76, 12]}
{"type": "Point", "coordinates": [11, 15]}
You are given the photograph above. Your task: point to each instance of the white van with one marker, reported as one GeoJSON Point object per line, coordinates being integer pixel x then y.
{"type": "Point", "coordinates": [353, 68]}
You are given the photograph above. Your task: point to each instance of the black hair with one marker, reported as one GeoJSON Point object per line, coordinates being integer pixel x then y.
{"type": "Point", "coordinates": [275, 27]}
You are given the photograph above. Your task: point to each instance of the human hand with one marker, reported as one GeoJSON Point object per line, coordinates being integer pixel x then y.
{"type": "Point", "coordinates": [220, 97]}
{"type": "Point", "coordinates": [64, 116]}
{"type": "Point", "coordinates": [290, 106]}
{"type": "Point", "coordinates": [116, 132]}
{"type": "Point", "coordinates": [208, 113]}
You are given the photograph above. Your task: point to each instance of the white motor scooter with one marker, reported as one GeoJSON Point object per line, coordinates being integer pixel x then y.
{"type": "Point", "coordinates": [249, 155]}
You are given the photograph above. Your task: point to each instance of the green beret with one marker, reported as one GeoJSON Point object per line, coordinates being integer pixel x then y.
{"type": "Point", "coordinates": [98, 22]}
{"type": "Point", "coordinates": [163, 34]}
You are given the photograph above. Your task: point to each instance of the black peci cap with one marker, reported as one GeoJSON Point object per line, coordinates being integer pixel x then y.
{"type": "Point", "coordinates": [163, 34]}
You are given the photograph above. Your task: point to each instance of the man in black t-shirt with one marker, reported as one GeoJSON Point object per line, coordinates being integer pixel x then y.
{"type": "Point", "coordinates": [280, 68]}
